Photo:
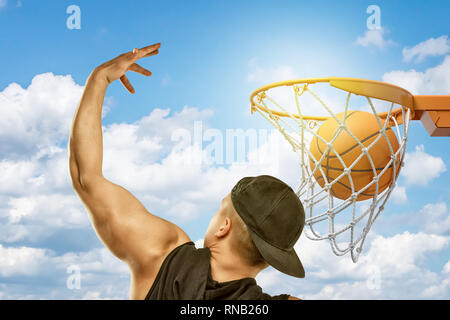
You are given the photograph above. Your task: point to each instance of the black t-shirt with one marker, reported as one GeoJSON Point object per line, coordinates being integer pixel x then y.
{"type": "Point", "coordinates": [185, 274]}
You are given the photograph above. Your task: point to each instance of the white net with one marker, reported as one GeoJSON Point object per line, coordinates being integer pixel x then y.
{"type": "Point", "coordinates": [342, 206]}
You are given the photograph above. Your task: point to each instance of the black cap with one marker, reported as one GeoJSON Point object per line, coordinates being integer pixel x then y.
{"type": "Point", "coordinates": [275, 219]}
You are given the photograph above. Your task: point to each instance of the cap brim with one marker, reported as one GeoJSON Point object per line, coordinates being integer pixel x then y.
{"type": "Point", "coordinates": [285, 261]}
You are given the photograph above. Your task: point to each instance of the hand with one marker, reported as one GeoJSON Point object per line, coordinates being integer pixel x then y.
{"type": "Point", "coordinates": [117, 67]}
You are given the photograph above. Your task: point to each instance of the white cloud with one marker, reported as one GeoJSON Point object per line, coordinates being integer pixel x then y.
{"type": "Point", "coordinates": [392, 268]}
{"type": "Point", "coordinates": [435, 218]}
{"type": "Point", "coordinates": [431, 47]}
{"type": "Point", "coordinates": [3, 3]}
{"type": "Point", "coordinates": [446, 268]}
{"type": "Point", "coordinates": [150, 138]}
{"type": "Point", "coordinates": [96, 266]}
{"type": "Point", "coordinates": [21, 261]}
{"type": "Point", "coordinates": [37, 198]}
{"type": "Point", "coordinates": [376, 38]}
{"type": "Point", "coordinates": [403, 253]}
{"type": "Point", "coordinates": [434, 80]}
{"type": "Point", "coordinates": [38, 116]}
{"type": "Point", "coordinates": [420, 167]}
{"type": "Point", "coordinates": [397, 265]}
{"type": "Point", "coordinates": [37, 119]}
{"type": "Point", "coordinates": [439, 289]}
{"type": "Point", "coordinates": [31, 208]}
{"type": "Point", "coordinates": [398, 195]}
{"type": "Point", "coordinates": [432, 218]}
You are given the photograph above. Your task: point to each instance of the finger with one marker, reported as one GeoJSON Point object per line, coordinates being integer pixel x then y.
{"type": "Point", "coordinates": [151, 48]}
{"type": "Point", "coordinates": [127, 83]}
{"type": "Point", "coordinates": [137, 68]}
{"type": "Point", "coordinates": [151, 54]}
{"type": "Point", "coordinates": [143, 52]}
{"type": "Point", "coordinates": [138, 54]}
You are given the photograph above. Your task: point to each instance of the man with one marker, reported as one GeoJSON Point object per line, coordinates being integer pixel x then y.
{"type": "Point", "coordinates": [258, 222]}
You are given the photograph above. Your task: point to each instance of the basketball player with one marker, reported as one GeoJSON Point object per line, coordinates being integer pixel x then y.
{"type": "Point", "coordinates": [257, 224]}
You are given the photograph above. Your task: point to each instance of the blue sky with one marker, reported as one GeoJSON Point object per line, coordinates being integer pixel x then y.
{"type": "Point", "coordinates": [213, 55]}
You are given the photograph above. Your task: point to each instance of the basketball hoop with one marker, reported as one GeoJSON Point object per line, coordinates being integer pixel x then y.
{"type": "Point", "coordinates": [345, 218]}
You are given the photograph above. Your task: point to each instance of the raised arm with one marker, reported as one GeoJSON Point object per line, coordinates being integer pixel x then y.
{"type": "Point", "coordinates": [134, 235]}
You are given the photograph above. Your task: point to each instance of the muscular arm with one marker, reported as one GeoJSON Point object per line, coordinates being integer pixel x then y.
{"type": "Point", "coordinates": [85, 142]}
{"type": "Point", "coordinates": [134, 235]}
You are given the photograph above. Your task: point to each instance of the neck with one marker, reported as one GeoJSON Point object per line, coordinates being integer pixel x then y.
{"type": "Point", "coordinates": [227, 266]}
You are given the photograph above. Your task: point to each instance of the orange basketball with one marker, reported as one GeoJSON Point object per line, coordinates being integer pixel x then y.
{"type": "Point", "coordinates": [364, 126]}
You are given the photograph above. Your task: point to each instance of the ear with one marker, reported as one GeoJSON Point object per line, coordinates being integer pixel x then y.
{"type": "Point", "coordinates": [224, 228]}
